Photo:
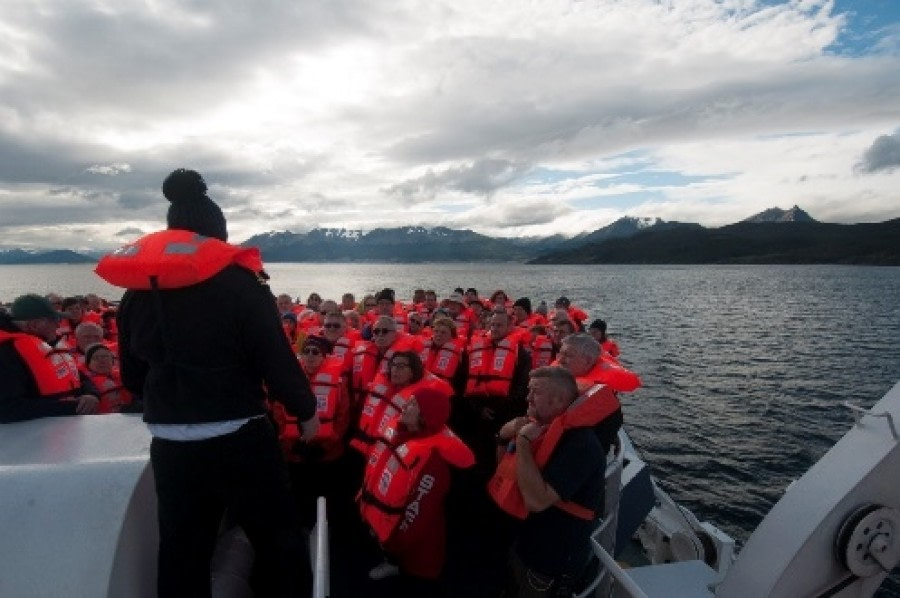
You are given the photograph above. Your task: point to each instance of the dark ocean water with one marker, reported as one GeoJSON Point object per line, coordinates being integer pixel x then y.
{"type": "Point", "coordinates": [744, 367]}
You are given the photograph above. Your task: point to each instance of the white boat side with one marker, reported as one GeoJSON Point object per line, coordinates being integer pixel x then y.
{"type": "Point", "coordinates": [77, 508]}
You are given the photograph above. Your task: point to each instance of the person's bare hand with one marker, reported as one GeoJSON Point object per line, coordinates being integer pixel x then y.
{"type": "Point", "coordinates": [531, 430]}
{"type": "Point", "coordinates": [512, 427]}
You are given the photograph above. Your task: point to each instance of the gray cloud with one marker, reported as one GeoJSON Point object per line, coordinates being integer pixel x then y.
{"type": "Point", "coordinates": [482, 177]}
{"type": "Point", "coordinates": [130, 232]}
{"type": "Point", "coordinates": [882, 156]}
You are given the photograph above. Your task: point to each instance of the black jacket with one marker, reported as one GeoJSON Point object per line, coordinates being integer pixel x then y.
{"type": "Point", "coordinates": [209, 352]}
{"type": "Point", "coordinates": [19, 397]}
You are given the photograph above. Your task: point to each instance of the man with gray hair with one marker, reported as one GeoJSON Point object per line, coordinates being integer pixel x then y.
{"type": "Point", "coordinates": [581, 354]}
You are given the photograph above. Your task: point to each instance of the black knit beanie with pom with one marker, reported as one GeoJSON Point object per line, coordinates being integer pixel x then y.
{"type": "Point", "coordinates": [191, 209]}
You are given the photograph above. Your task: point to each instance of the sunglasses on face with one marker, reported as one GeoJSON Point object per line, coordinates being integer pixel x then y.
{"type": "Point", "coordinates": [380, 331]}
{"type": "Point", "coordinates": [311, 351]}
{"type": "Point", "coordinates": [331, 325]}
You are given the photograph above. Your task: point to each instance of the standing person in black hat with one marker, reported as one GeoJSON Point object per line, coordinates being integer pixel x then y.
{"type": "Point", "coordinates": [35, 379]}
{"type": "Point", "coordinates": [203, 374]}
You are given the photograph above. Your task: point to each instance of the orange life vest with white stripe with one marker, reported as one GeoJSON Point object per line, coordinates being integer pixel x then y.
{"type": "Point", "coordinates": [592, 407]}
{"type": "Point", "coordinates": [463, 324]}
{"type": "Point", "coordinates": [393, 477]}
{"type": "Point", "coordinates": [444, 360]}
{"type": "Point", "coordinates": [491, 367]}
{"type": "Point", "coordinates": [541, 351]}
{"type": "Point", "coordinates": [365, 366]}
{"type": "Point", "coordinates": [382, 405]}
{"type": "Point", "coordinates": [327, 384]}
{"type": "Point", "coordinates": [113, 396]}
{"type": "Point", "coordinates": [328, 387]}
{"type": "Point", "coordinates": [55, 371]}
{"type": "Point", "coordinates": [379, 391]}
{"type": "Point", "coordinates": [175, 258]}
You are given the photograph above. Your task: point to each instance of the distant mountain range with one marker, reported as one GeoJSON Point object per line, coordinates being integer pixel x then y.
{"type": "Point", "coordinates": [54, 256]}
{"type": "Point", "coordinates": [774, 236]}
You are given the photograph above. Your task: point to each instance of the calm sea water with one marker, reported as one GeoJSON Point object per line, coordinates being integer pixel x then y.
{"type": "Point", "coordinates": [744, 367]}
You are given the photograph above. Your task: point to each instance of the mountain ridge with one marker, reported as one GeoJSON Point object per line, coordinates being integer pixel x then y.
{"type": "Point", "coordinates": [771, 236]}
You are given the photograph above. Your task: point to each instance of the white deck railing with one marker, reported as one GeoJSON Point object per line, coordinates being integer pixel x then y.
{"type": "Point", "coordinates": [319, 550]}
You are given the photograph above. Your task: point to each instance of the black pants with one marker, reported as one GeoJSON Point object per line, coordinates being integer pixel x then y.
{"type": "Point", "coordinates": [244, 473]}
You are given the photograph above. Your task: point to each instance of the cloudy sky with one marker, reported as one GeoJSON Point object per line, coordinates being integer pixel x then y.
{"type": "Point", "coordinates": [508, 118]}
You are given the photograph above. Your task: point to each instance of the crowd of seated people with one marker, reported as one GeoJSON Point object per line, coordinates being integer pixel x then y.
{"type": "Point", "coordinates": [414, 399]}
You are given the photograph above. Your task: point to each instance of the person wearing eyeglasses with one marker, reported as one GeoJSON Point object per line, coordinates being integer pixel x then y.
{"type": "Point", "coordinates": [101, 367]}
{"type": "Point", "coordinates": [404, 492]}
{"type": "Point", "coordinates": [371, 357]}
{"type": "Point", "coordinates": [312, 321]}
{"type": "Point", "coordinates": [313, 461]}
{"type": "Point", "coordinates": [387, 396]}
{"type": "Point", "coordinates": [415, 326]}
{"type": "Point", "coordinates": [336, 330]}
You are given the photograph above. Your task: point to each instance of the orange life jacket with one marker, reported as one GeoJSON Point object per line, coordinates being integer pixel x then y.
{"type": "Point", "coordinates": [610, 372]}
{"type": "Point", "coordinates": [463, 323]}
{"type": "Point", "coordinates": [611, 348]}
{"type": "Point", "coordinates": [367, 364]}
{"type": "Point", "coordinates": [535, 319]}
{"type": "Point", "coordinates": [113, 396]}
{"type": "Point", "coordinates": [379, 391]}
{"type": "Point", "coordinates": [175, 258]}
{"type": "Point", "coordinates": [443, 361]}
{"type": "Point", "coordinates": [55, 371]}
{"type": "Point", "coordinates": [541, 351]}
{"type": "Point", "coordinates": [327, 385]}
{"type": "Point", "coordinates": [383, 404]}
{"type": "Point", "coordinates": [342, 347]}
{"type": "Point", "coordinates": [392, 481]}
{"type": "Point", "coordinates": [65, 332]}
{"type": "Point", "coordinates": [592, 407]}
{"type": "Point", "coordinates": [491, 367]}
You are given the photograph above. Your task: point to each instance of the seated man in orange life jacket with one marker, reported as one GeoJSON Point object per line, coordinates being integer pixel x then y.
{"type": "Point", "coordinates": [36, 380]}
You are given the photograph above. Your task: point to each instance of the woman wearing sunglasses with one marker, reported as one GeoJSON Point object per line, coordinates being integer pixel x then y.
{"type": "Point", "coordinates": [315, 464]}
